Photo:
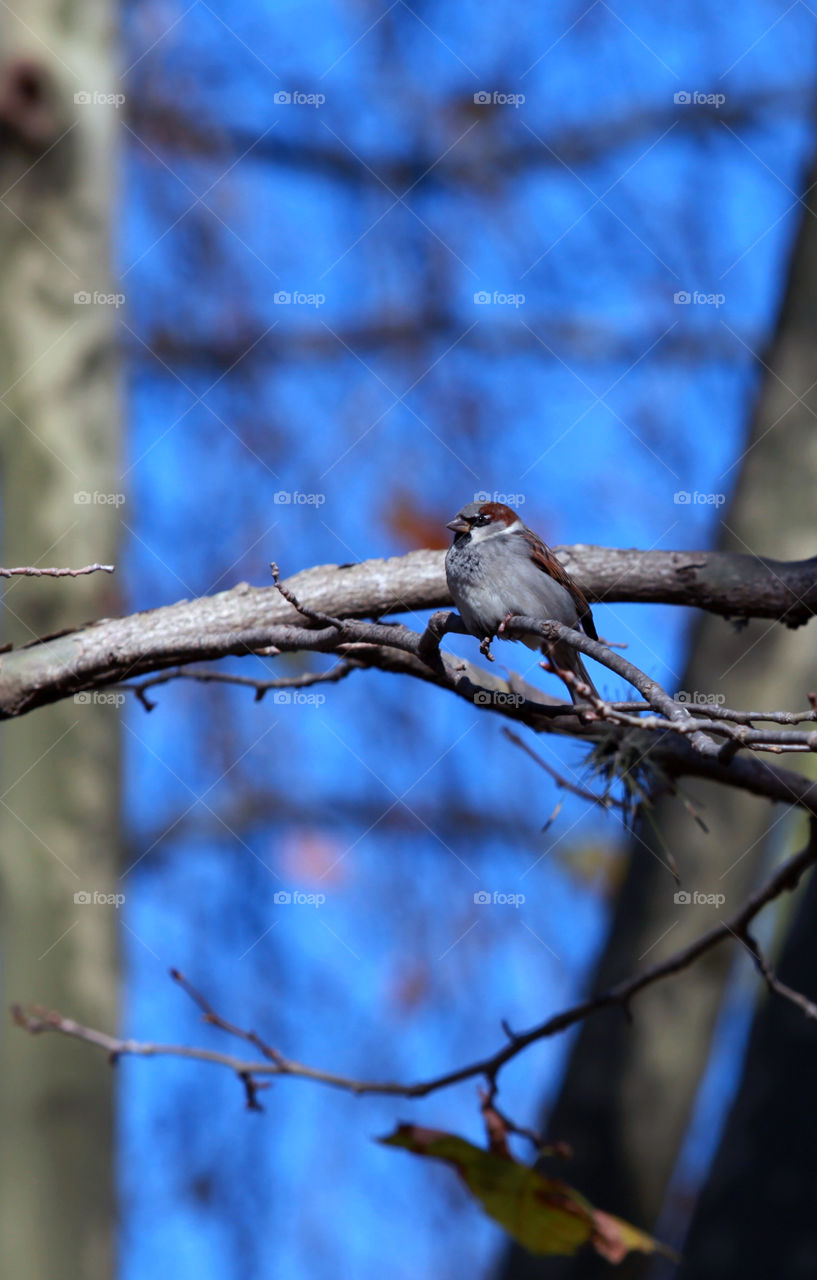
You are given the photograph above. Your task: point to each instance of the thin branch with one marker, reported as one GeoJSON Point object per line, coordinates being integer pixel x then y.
{"type": "Point", "coordinates": [739, 734]}
{"type": "Point", "coordinates": [261, 687]}
{"type": "Point", "coordinates": [516, 700]}
{"type": "Point", "coordinates": [715, 712]}
{"type": "Point", "coordinates": [786, 877]}
{"type": "Point", "coordinates": [214, 1019]}
{"type": "Point", "coordinates": [252, 1086]}
{"type": "Point", "coordinates": [674, 715]}
{"type": "Point", "coordinates": [605, 801]}
{"type": "Point", "coordinates": [675, 712]}
{"type": "Point", "coordinates": [29, 571]}
{"type": "Point", "coordinates": [314, 615]}
{"type": "Point", "coordinates": [498, 1120]}
{"type": "Point", "coordinates": [773, 982]}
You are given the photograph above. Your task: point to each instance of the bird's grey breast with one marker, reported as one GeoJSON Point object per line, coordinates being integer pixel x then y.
{"type": "Point", "coordinates": [471, 571]}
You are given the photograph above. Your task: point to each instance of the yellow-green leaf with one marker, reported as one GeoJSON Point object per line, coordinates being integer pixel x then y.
{"type": "Point", "coordinates": [543, 1214]}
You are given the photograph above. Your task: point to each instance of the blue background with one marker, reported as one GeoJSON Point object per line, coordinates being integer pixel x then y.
{"type": "Point", "coordinates": [595, 399]}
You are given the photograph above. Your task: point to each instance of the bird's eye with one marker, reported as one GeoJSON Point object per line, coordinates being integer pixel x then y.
{"type": "Point", "coordinates": [481, 519]}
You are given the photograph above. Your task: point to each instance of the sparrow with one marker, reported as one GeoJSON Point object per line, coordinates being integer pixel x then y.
{"type": "Point", "coordinates": [497, 567]}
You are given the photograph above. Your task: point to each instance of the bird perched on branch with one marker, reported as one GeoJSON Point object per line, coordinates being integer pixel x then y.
{"type": "Point", "coordinates": [497, 567]}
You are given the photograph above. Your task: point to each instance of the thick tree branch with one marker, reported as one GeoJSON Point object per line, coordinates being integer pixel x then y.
{"type": "Point", "coordinates": [249, 619]}
{"type": "Point", "coordinates": [51, 669]}
{"type": "Point", "coordinates": [724, 582]}
{"type": "Point", "coordinates": [254, 620]}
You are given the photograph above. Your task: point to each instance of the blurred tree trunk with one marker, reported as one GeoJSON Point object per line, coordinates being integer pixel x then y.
{"type": "Point", "coordinates": [59, 799]}
{"type": "Point", "coordinates": [757, 1215]}
{"type": "Point", "coordinates": [758, 1208]}
{"type": "Point", "coordinates": [629, 1088]}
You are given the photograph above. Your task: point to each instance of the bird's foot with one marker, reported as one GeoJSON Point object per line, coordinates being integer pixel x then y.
{"type": "Point", "coordinates": [485, 647]}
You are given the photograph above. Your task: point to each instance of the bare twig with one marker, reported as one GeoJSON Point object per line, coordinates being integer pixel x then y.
{"type": "Point", "coordinates": [773, 982]}
{"type": "Point", "coordinates": [606, 801]}
{"type": "Point", "coordinates": [214, 1019]}
{"type": "Point", "coordinates": [785, 877]}
{"type": "Point", "coordinates": [209, 1015]}
{"type": "Point", "coordinates": [261, 687]}
{"type": "Point", "coordinates": [675, 715]}
{"type": "Point", "coordinates": [30, 571]}
{"type": "Point", "coordinates": [715, 712]}
{"type": "Point", "coordinates": [651, 690]}
{"type": "Point", "coordinates": [738, 733]}
{"type": "Point", "coordinates": [496, 1120]}
{"type": "Point", "coordinates": [314, 615]}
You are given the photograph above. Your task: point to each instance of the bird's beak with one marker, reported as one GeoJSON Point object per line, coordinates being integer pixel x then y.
{"type": "Point", "coordinates": [458, 525]}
